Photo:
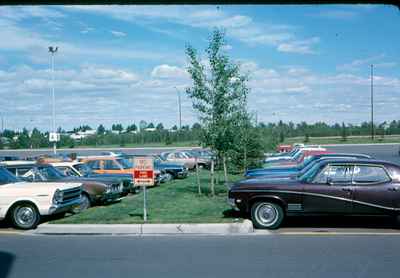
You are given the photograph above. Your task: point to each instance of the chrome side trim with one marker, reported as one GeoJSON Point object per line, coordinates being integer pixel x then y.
{"type": "Point", "coordinates": [295, 207]}
{"type": "Point", "coordinates": [322, 196]}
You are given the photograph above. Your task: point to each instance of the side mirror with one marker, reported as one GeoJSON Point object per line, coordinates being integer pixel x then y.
{"type": "Point", "coordinates": [329, 180]}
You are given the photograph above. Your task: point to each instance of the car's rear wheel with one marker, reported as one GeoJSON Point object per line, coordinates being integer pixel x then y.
{"type": "Point", "coordinates": [25, 216]}
{"type": "Point", "coordinates": [267, 215]}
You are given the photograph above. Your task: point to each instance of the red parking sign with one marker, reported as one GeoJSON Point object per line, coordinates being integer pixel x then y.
{"type": "Point", "coordinates": [143, 173]}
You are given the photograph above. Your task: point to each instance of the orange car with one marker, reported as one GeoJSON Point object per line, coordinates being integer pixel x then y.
{"type": "Point", "coordinates": [113, 165]}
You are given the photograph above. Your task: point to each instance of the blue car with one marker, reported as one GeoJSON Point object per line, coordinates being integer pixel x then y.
{"type": "Point", "coordinates": [295, 170]}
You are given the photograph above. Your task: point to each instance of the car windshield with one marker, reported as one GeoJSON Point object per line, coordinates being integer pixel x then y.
{"type": "Point", "coordinates": [298, 155]}
{"type": "Point", "coordinates": [188, 155]}
{"type": "Point", "coordinates": [50, 173]}
{"type": "Point", "coordinates": [307, 167]}
{"type": "Point", "coordinates": [84, 169]}
{"type": "Point", "coordinates": [309, 175]}
{"type": "Point", "coordinates": [7, 177]}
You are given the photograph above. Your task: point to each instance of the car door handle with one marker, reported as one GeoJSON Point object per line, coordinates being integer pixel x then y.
{"type": "Point", "coordinates": [393, 189]}
{"type": "Point", "coordinates": [347, 189]}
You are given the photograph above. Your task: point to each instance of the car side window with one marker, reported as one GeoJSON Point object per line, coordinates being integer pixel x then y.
{"type": "Point", "coordinates": [22, 171]}
{"type": "Point", "coordinates": [67, 171]}
{"type": "Point", "coordinates": [334, 174]}
{"type": "Point", "coordinates": [366, 174]}
{"type": "Point", "coordinates": [94, 164]}
{"type": "Point", "coordinates": [111, 165]}
{"type": "Point", "coordinates": [12, 170]}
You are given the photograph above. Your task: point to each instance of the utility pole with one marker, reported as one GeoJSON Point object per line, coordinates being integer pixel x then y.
{"type": "Point", "coordinates": [2, 124]}
{"type": "Point", "coordinates": [53, 51]}
{"type": "Point", "coordinates": [372, 103]}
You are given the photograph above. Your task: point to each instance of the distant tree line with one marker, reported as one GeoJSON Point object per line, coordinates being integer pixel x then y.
{"type": "Point", "coordinates": [271, 134]}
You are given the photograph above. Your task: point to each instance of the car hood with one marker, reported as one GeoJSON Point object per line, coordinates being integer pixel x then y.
{"type": "Point", "coordinates": [170, 165]}
{"type": "Point", "coordinates": [117, 176]}
{"type": "Point", "coordinates": [266, 183]}
{"type": "Point", "coordinates": [85, 181]}
{"type": "Point", "coordinates": [105, 180]}
{"type": "Point", "coordinates": [41, 186]}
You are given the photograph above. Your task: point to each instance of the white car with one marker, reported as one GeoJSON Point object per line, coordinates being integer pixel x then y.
{"type": "Point", "coordinates": [25, 202]}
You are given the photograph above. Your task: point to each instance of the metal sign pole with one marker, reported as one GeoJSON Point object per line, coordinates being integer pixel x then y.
{"type": "Point", "coordinates": [144, 204]}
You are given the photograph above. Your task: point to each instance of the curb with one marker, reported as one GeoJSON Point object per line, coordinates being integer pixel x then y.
{"type": "Point", "coordinates": [246, 227]}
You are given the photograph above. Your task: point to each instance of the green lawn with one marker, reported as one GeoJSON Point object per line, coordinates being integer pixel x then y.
{"type": "Point", "coordinates": [173, 202]}
{"type": "Point", "coordinates": [339, 140]}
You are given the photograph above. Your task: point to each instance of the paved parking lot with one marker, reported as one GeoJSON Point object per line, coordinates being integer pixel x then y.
{"type": "Point", "coordinates": [297, 225]}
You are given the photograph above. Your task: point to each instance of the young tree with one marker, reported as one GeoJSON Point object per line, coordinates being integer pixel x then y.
{"type": "Point", "coordinates": [219, 95]}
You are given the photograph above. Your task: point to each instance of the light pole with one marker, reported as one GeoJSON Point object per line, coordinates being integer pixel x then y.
{"type": "Point", "coordinates": [372, 103]}
{"type": "Point", "coordinates": [53, 51]}
{"type": "Point", "coordinates": [179, 107]}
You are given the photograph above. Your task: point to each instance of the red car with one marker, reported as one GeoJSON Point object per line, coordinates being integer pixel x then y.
{"type": "Point", "coordinates": [297, 159]}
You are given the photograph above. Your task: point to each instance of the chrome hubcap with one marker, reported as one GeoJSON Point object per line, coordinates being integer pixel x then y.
{"type": "Point", "coordinates": [25, 216]}
{"type": "Point", "coordinates": [267, 214]}
{"type": "Point", "coordinates": [84, 202]}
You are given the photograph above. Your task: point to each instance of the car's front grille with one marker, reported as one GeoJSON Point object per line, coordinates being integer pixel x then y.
{"type": "Point", "coordinates": [71, 194]}
{"type": "Point", "coordinates": [117, 187]}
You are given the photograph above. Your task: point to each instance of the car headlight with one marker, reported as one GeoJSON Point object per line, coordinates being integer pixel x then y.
{"type": "Point", "coordinates": [58, 196]}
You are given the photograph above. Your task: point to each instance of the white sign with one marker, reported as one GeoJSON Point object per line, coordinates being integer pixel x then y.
{"type": "Point", "coordinates": [54, 137]}
{"type": "Point", "coordinates": [143, 173]}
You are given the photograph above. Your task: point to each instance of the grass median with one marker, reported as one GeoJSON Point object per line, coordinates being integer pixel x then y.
{"type": "Point", "coordinates": [173, 202]}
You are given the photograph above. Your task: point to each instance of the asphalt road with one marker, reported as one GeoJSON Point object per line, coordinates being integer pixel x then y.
{"type": "Point", "coordinates": [231, 256]}
{"type": "Point", "coordinates": [380, 151]}
{"type": "Point", "coordinates": [88, 151]}
{"type": "Point", "coordinates": [389, 152]}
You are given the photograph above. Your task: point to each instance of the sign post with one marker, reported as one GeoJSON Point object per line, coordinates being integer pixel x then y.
{"type": "Point", "coordinates": [143, 175]}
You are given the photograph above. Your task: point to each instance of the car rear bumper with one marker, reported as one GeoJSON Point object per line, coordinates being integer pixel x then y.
{"type": "Point", "coordinates": [109, 197]}
{"type": "Point", "coordinates": [182, 175]}
{"type": "Point", "coordinates": [232, 203]}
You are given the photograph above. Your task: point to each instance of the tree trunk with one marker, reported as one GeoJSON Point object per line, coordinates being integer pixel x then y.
{"type": "Point", "coordinates": [197, 176]}
{"type": "Point", "coordinates": [212, 178]}
{"type": "Point", "coordinates": [225, 169]}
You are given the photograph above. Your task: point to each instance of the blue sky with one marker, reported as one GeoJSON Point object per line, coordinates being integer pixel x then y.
{"type": "Point", "coordinates": [123, 64]}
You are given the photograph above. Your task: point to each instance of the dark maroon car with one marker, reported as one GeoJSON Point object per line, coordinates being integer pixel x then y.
{"type": "Point", "coordinates": [341, 187]}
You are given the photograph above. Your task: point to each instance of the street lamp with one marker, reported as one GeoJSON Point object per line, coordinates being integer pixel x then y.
{"type": "Point", "coordinates": [372, 103]}
{"type": "Point", "coordinates": [53, 51]}
{"type": "Point", "coordinates": [179, 107]}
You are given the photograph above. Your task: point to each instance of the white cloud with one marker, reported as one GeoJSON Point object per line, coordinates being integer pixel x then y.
{"type": "Point", "coordinates": [358, 63]}
{"type": "Point", "coordinates": [300, 46]}
{"type": "Point", "coordinates": [167, 71]}
{"type": "Point", "coordinates": [86, 30]}
{"type": "Point", "coordinates": [237, 26]}
{"type": "Point", "coordinates": [118, 33]}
